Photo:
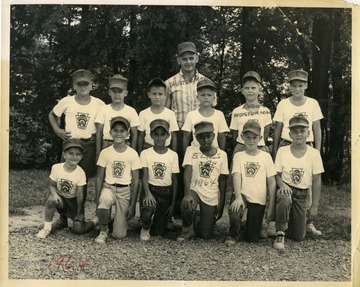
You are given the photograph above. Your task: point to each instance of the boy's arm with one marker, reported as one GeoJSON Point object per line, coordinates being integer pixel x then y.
{"type": "Point", "coordinates": [316, 191]}
{"type": "Point", "coordinates": [276, 139]}
{"type": "Point", "coordinates": [186, 140]}
{"type": "Point", "coordinates": [100, 175]}
{"type": "Point", "coordinates": [54, 122]}
{"type": "Point", "coordinates": [79, 200]}
{"type": "Point", "coordinates": [53, 191]}
{"type": "Point", "coordinates": [174, 143]}
{"type": "Point", "coordinates": [133, 137]}
{"type": "Point", "coordinates": [271, 187]}
{"type": "Point", "coordinates": [284, 189]}
{"type": "Point", "coordinates": [222, 140]}
{"type": "Point", "coordinates": [99, 139]}
{"type": "Point", "coordinates": [140, 141]}
{"type": "Point", "coordinates": [234, 136]}
{"type": "Point", "coordinates": [317, 134]}
{"type": "Point", "coordinates": [174, 186]}
{"type": "Point", "coordinates": [238, 202]}
{"type": "Point", "coordinates": [149, 199]}
{"type": "Point", "coordinates": [188, 201]}
{"type": "Point", "coordinates": [168, 99]}
{"type": "Point", "coordinates": [222, 188]}
{"type": "Point", "coordinates": [266, 133]}
{"type": "Point", "coordinates": [130, 212]}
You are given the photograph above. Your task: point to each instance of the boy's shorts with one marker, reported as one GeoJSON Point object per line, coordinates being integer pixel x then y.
{"type": "Point", "coordinates": [69, 206]}
{"type": "Point", "coordinates": [120, 196]}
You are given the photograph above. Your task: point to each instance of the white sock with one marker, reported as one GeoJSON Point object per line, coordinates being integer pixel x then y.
{"type": "Point", "coordinates": [47, 225]}
{"type": "Point", "coordinates": [95, 220]}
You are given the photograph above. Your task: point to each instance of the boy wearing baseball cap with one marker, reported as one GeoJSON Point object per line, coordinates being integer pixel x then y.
{"type": "Point", "coordinates": [205, 170]}
{"type": "Point", "coordinates": [159, 180]}
{"type": "Point", "coordinates": [117, 91]}
{"type": "Point", "coordinates": [253, 173]}
{"type": "Point", "coordinates": [67, 180]}
{"type": "Point", "coordinates": [298, 167]}
{"type": "Point", "coordinates": [80, 112]}
{"type": "Point", "coordinates": [117, 181]}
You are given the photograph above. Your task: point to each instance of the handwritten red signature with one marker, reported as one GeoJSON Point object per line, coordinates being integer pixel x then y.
{"type": "Point", "coordinates": [67, 262]}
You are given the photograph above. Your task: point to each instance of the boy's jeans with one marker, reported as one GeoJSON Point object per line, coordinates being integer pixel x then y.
{"type": "Point", "coordinates": [290, 215]}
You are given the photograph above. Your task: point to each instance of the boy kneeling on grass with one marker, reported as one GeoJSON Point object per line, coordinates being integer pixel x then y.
{"type": "Point", "coordinates": [205, 170]}
{"type": "Point", "coordinates": [67, 180]}
{"type": "Point", "coordinates": [299, 166]}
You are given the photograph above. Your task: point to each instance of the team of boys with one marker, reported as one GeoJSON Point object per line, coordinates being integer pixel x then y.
{"type": "Point", "coordinates": [287, 191]}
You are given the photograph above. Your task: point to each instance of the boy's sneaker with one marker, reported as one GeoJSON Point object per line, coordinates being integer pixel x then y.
{"type": "Point", "coordinates": [144, 234]}
{"type": "Point", "coordinates": [59, 224]}
{"type": "Point", "coordinates": [43, 233]}
{"type": "Point", "coordinates": [279, 242]}
{"type": "Point", "coordinates": [312, 230]}
{"type": "Point", "coordinates": [271, 230]}
{"type": "Point", "coordinates": [186, 235]}
{"type": "Point", "coordinates": [230, 241]}
{"type": "Point", "coordinates": [101, 239]}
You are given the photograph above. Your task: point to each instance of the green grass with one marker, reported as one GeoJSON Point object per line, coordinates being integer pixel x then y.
{"type": "Point", "coordinates": [30, 187]}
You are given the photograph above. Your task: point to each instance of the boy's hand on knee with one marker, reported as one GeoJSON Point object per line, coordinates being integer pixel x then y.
{"type": "Point", "coordinates": [313, 210]}
{"type": "Point", "coordinates": [64, 135]}
{"type": "Point", "coordinates": [149, 200]}
{"type": "Point", "coordinates": [237, 205]}
{"type": "Point", "coordinates": [56, 199]}
{"type": "Point", "coordinates": [130, 212]}
{"type": "Point", "coordinates": [187, 204]}
{"type": "Point", "coordinates": [285, 190]}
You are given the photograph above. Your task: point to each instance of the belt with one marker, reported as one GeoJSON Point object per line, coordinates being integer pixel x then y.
{"type": "Point", "coordinates": [91, 138]}
{"type": "Point", "coordinates": [120, 185]}
{"type": "Point", "coordinates": [160, 188]}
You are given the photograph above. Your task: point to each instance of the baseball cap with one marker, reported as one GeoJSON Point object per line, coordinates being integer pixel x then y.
{"type": "Point", "coordinates": [72, 142]}
{"type": "Point", "coordinates": [186, 47]}
{"type": "Point", "coordinates": [300, 75]}
{"type": "Point", "coordinates": [119, 119]}
{"type": "Point", "coordinates": [118, 81]}
{"type": "Point", "coordinates": [82, 76]}
{"type": "Point", "coordinates": [252, 126]}
{"type": "Point", "coordinates": [205, 83]}
{"type": "Point", "coordinates": [159, 123]}
{"type": "Point", "coordinates": [251, 74]}
{"type": "Point", "coordinates": [298, 120]}
{"type": "Point", "coordinates": [203, 127]}
{"type": "Point", "coordinates": [157, 82]}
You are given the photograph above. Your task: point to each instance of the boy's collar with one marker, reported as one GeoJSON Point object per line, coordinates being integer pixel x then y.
{"type": "Point", "coordinates": [254, 106]}
{"type": "Point", "coordinates": [193, 78]}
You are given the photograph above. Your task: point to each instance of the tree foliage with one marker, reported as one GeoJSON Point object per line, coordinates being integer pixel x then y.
{"type": "Point", "coordinates": [48, 42]}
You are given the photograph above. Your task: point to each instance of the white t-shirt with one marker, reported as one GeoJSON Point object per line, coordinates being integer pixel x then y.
{"type": "Point", "coordinates": [286, 110]}
{"type": "Point", "coordinates": [297, 172]}
{"type": "Point", "coordinates": [160, 166]}
{"type": "Point", "coordinates": [206, 172]}
{"type": "Point", "coordinates": [254, 172]}
{"type": "Point", "coordinates": [147, 116]}
{"type": "Point", "coordinates": [67, 182]}
{"type": "Point", "coordinates": [240, 116]}
{"type": "Point", "coordinates": [79, 119]}
{"type": "Point", "coordinates": [106, 113]}
{"type": "Point", "coordinates": [217, 119]}
{"type": "Point", "coordinates": [118, 165]}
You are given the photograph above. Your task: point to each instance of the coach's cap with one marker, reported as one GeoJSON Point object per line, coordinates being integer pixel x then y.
{"type": "Point", "coordinates": [300, 75]}
{"type": "Point", "coordinates": [121, 120]}
{"type": "Point", "coordinates": [118, 81]}
{"type": "Point", "coordinates": [186, 47]}
{"type": "Point", "coordinates": [203, 127]}
{"type": "Point", "coordinates": [251, 74]}
{"type": "Point", "coordinates": [205, 83]}
{"type": "Point", "coordinates": [159, 123]}
{"type": "Point", "coordinates": [82, 76]}
{"type": "Point", "coordinates": [298, 120]}
{"type": "Point", "coordinates": [252, 126]}
{"type": "Point", "coordinates": [72, 142]}
{"type": "Point", "coordinates": [156, 82]}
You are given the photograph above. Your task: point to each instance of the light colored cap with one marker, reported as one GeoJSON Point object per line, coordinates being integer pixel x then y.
{"type": "Point", "coordinates": [205, 83]}
{"type": "Point", "coordinates": [159, 123]}
{"type": "Point", "coordinates": [82, 76]}
{"type": "Point", "coordinates": [119, 120]}
{"type": "Point", "coordinates": [118, 81]}
{"type": "Point", "coordinates": [72, 142]}
{"type": "Point", "coordinates": [252, 126]}
{"type": "Point", "coordinates": [203, 127]}
{"type": "Point", "coordinates": [186, 47]}
{"type": "Point", "coordinates": [300, 75]}
{"type": "Point", "coordinates": [298, 120]}
{"type": "Point", "coordinates": [252, 74]}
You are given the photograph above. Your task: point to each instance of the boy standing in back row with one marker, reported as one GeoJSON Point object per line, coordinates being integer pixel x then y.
{"type": "Point", "coordinates": [80, 113]}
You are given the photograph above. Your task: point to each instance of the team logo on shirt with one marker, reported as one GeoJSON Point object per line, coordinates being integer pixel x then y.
{"type": "Point", "coordinates": [296, 175]}
{"type": "Point", "coordinates": [251, 169]}
{"type": "Point", "coordinates": [206, 168]}
{"type": "Point", "coordinates": [118, 169]}
{"type": "Point", "coordinates": [66, 186]}
{"type": "Point", "coordinates": [82, 120]}
{"type": "Point", "coordinates": [159, 170]}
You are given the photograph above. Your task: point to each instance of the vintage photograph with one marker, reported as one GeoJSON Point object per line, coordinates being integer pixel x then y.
{"type": "Point", "coordinates": [180, 143]}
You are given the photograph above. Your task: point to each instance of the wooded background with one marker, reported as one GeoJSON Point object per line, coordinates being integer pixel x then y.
{"type": "Point", "coordinates": [49, 42]}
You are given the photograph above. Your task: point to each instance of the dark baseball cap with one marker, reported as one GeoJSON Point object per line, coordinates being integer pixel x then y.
{"type": "Point", "coordinates": [119, 119]}
{"type": "Point", "coordinates": [203, 127]}
{"type": "Point", "coordinates": [159, 123]}
{"type": "Point", "coordinates": [82, 76]}
{"type": "Point", "coordinates": [156, 82]}
{"type": "Point", "coordinates": [297, 121]}
{"type": "Point", "coordinates": [205, 83]}
{"type": "Point", "coordinates": [186, 47]}
{"type": "Point", "coordinates": [252, 126]}
{"type": "Point", "coordinates": [299, 75]}
{"type": "Point", "coordinates": [72, 142]}
{"type": "Point", "coordinates": [252, 74]}
{"type": "Point", "coordinates": [118, 81]}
